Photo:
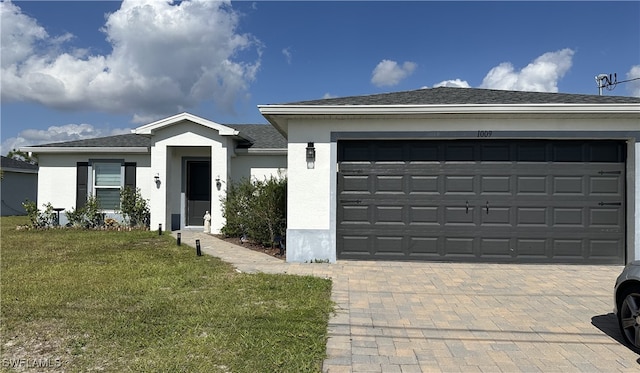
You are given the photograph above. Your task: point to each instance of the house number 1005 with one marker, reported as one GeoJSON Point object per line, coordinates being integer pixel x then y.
{"type": "Point", "coordinates": [485, 133]}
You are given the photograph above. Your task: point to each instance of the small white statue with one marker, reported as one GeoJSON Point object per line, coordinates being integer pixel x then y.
{"type": "Point", "coordinates": [207, 222]}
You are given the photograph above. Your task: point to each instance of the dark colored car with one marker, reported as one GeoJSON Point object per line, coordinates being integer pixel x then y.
{"type": "Point", "coordinates": [627, 303]}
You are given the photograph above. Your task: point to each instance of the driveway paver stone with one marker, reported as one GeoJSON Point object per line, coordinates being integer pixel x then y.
{"type": "Point", "coordinates": [458, 317]}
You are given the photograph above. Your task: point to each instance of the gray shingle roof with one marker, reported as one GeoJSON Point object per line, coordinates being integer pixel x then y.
{"type": "Point", "coordinates": [16, 164]}
{"type": "Point", "coordinates": [264, 136]}
{"type": "Point", "coordinates": [460, 96]}
{"type": "Point", "coordinates": [117, 141]}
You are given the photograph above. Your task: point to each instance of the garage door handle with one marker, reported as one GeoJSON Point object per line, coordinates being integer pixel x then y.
{"type": "Point", "coordinates": [610, 204]}
{"type": "Point", "coordinates": [487, 207]}
{"type": "Point", "coordinates": [467, 207]}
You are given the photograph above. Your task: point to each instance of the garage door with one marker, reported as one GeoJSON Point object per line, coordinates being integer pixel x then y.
{"type": "Point", "coordinates": [494, 201]}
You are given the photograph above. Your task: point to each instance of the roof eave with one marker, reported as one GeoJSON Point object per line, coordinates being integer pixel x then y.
{"type": "Point", "coordinates": [261, 151]}
{"type": "Point", "coordinates": [149, 129]}
{"type": "Point", "coordinates": [20, 170]}
{"type": "Point", "coordinates": [85, 149]}
{"type": "Point", "coordinates": [271, 110]}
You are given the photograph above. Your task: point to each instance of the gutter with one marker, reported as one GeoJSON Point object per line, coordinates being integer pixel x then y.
{"type": "Point", "coordinates": [633, 108]}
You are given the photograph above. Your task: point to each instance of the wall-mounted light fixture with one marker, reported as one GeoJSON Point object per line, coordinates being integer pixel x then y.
{"type": "Point", "coordinates": [156, 178]}
{"type": "Point", "coordinates": [311, 155]}
{"type": "Point", "coordinates": [218, 182]}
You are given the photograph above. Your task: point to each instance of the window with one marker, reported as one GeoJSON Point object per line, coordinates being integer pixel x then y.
{"type": "Point", "coordinates": [103, 179]}
{"type": "Point", "coordinates": [107, 181]}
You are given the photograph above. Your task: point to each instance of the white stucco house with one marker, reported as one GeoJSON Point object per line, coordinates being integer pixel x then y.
{"type": "Point", "coordinates": [442, 174]}
{"type": "Point", "coordinates": [182, 164]}
{"type": "Point", "coordinates": [455, 174]}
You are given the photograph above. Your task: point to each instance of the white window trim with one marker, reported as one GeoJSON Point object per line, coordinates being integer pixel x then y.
{"type": "Point", "coordinates": [92, 188]}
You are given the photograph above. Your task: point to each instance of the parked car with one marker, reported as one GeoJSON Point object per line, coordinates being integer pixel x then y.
{"type": "Point", "coordinates": [627, 303]}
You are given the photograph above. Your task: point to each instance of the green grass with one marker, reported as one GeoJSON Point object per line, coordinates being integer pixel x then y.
{"type": "Point", "coordinates": [134, 301]}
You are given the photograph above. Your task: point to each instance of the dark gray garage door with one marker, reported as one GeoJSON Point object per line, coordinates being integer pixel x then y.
{"type": "Point", "coordinates": [502, 201]}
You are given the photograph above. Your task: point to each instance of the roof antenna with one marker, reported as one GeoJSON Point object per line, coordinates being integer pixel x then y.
{"type": "Point", "coordinates": [606, 81]}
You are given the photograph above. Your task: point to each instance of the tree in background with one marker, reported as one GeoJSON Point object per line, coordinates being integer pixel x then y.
{"type": "Point", "coordinates": [22, 156]}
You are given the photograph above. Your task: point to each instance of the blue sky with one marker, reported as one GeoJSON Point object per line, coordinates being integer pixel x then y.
{"type": "Point", "coordinates": [80, 69]}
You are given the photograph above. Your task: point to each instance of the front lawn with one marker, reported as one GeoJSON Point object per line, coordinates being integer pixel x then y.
{"type": "Point", "coordinates": [79, 301]}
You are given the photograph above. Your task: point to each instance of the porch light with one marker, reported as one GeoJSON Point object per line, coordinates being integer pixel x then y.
{"type": "Point", "coordinates": [156, 178]}
{"type": "Point", "coordinates": [218, 182]}
{"type": "Point", "coordinates": [311, 155]}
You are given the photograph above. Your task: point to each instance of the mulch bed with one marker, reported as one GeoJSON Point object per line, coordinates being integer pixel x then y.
{"type": "Point", "coordinates": [274, 252]}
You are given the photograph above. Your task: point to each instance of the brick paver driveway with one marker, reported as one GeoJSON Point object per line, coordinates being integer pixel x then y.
{"type": "Point", "coordinates": [428, 317]}
{"type": "Point", "coordinates": [432, 317]}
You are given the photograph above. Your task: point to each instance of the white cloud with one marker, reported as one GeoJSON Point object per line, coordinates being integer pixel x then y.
{"type": "Point", "coordinates": [389, 73]}
{"type": "Point", "coordinates": [287, 54]}
{"type": "Point", "coordinates": [633, 87]}
{"type": "Point", "coordinates": [541, 75]}
{"type": "Point", "coordinates": [165, 57]}
{"type": "Point", "coordinates": [456, 83]}
{"type": "Point", "coordinates": [67, 132]}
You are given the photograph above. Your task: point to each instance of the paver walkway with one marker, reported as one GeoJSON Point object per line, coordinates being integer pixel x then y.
{"type": "Point", "coordinates": [446, 317]}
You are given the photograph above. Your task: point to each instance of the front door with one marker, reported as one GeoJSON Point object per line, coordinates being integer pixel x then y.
{"type": "Point", "coordinates": [198, 191]}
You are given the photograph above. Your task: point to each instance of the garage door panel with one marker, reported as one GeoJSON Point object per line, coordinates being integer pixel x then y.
{"type": "Point", "coordinates": [459, 216]}
{"type": "Point", "coordinates": [564, 217]}
{"type": "Point", "coordinates": [534, 247]}
{"type": "Point", "coordinates": [459, 185]}
{"type": "Point", "coordinates": [459, 152]}
{"type": "Point", "coordinates": [389, 215]}
{"type": "Point", "coordinates": [608, 218]}
{"type": "Point", "coordinates": [568, 185]}
{"type": "Point", "coordinates": [424, 215]}
{"type": "Point", "coordinates": [548, 201]}
{"type": "Point", "coordinates": [424, 246]}
{"type": "Point", "coordinates": [388, 245]}
{"type": "Point", "coordinates": [459, 246]}
{"type": "Point", "coordinates": [495, 185]}
{"type": "Point", "coordinates": [496, 247]}
{"type": "Point", "coordinates": [355, 215]}
{"type": "Point", "coordinates": [496, 216]}
{"type": "Point", "coordinates": [603, 248]}
{"type": "Point", "coordinates": [567, 248]}
{"type": "Point", "coordinates": [531, 185]}
{"type": "Point", "coordinates": [355, 183]}
{"type": "Point", "coordinates": [427, 184]}
{"type": "Point", "coordinates": [610, 186]}
{"type": "Point", "coordinates": [389, 184]}
{"type": "Point", "coordinates": [531, 217]}
{"type": "Point", "coordinates": [495, 152]}
{"type": "Point", "coordinates": [355, 246]}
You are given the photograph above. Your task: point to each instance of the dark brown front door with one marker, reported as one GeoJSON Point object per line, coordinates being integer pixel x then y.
{"type": "Point", "coordinates": [198, 191]}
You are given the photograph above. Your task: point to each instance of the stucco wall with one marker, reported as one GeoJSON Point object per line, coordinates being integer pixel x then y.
{"type": "Point", "coordinates": [57, 177]}
{"type": "Point", "coordinates": [311, 221]}
{"type": "Point", "coordinates": [170, 145]}
{"type": "Point", "coordinates": [257, 166]}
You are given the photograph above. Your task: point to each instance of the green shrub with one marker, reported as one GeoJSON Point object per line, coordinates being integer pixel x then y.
{"type": "Point", "coordinates": [134, 208]}
{"type": "Point", "coordinates": [256, 209]}
{"type": "Point", "coordinates": [88, 216]}
{"type": "Point", "coordinates": [37, 218]}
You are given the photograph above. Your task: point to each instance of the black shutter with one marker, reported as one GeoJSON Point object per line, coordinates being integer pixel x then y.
{"type": "Point", "coordinates": [130, 175]}
{"type": "Point", "coordinates": [82, 175]}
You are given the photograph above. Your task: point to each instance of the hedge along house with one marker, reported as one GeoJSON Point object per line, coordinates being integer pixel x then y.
{"type": "Point", "coordinates": [181, 164]}
{"type": "Point", "coordinates": [453, 174]}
